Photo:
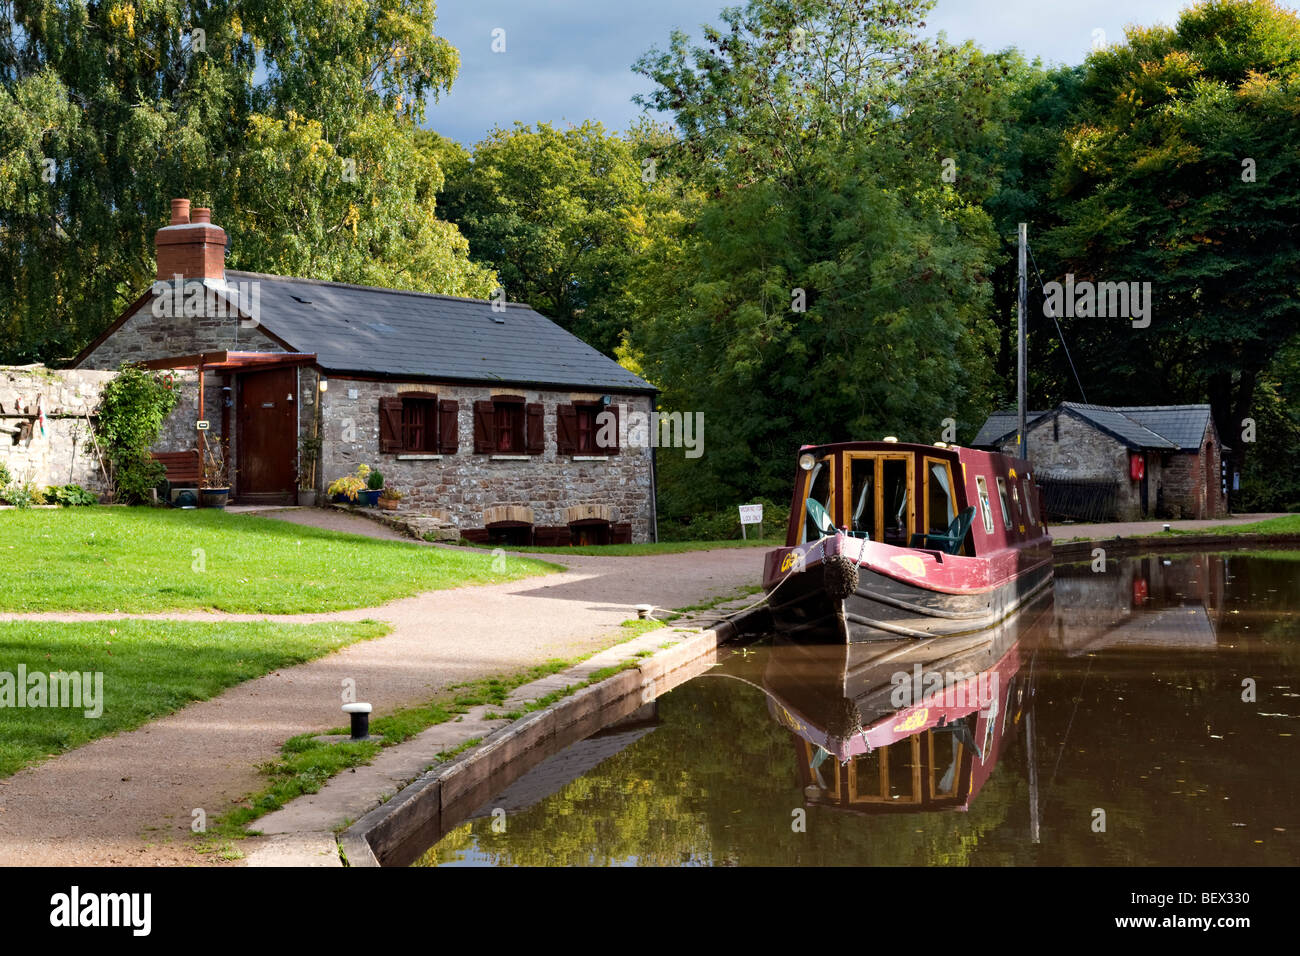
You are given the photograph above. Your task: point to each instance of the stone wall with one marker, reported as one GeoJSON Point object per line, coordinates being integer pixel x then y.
{"type": "Point", "coordinates": [465, 486]}
{"type": "Point", "coordinates": [145, 336]}
{"type": "Point", "coordinates": [65, 453]}
{"type": "Point", "coordinates": [1066, 448]}
{"type": "Point", "coordinates": [1186, 491]}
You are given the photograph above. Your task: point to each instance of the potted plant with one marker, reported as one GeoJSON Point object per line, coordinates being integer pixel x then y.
{"type": "Point", "coordinates": [374, 484]}
{"type": "Point", "coordinates": [349, 487]}
{"type": "Point", "coordinates": [216, 486]}
{"type": "Point", "coordinates": [389, 497]}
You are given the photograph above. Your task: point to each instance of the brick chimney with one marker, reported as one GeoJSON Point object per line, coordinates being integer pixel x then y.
{"type": "Point", "coordinates": [190, 247]}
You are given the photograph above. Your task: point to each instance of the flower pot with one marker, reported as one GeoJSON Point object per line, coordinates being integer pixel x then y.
{"type": "Point", "coordinates": [389, 504]}
{"type": "Point", "coordinates": [307, 497]}
{"type": "Point", "coordinates": [214, 497]}
{"type": "Point", "coordinates": [368, 498]}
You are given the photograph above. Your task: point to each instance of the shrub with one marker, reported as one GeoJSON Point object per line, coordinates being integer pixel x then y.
{"type": "Point", "coordinates": [725, 525]}
{"type": "Point", "coordinates": [24, 495]}
{"type": "Point", "coordinates": [375, 482]}
{"type": "Point", "coordinates": [70, 496]}
{"type": "Point", "coordinates": [5, 477]}
{"type": "Point", "coordinates": [131, 412]}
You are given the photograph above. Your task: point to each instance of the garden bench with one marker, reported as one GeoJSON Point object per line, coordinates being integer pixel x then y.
{"type": "Point", "coordinates": [183, 468]}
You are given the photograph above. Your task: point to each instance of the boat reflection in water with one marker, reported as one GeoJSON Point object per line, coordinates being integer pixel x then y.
{"type": "Point", "coordinates": [908, 726]}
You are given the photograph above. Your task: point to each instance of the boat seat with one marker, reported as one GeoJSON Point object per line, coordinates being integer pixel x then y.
{"type": "Point", "coordinates": [949, 543]}
{"type": "Point", "coordinates": [820, 518]}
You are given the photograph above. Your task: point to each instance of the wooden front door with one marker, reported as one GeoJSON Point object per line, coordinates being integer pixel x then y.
{"type": "Point", "coordinates": [267, 437]}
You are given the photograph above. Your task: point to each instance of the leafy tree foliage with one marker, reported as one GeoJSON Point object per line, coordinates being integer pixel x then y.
{"type": "Point", "coordinates": [295, 120]}
{"type": "Point", "coordinates": [554, 213]}
{"type": "Point", "coordinates": [1177, 167]}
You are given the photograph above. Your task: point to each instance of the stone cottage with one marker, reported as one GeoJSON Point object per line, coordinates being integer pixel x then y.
{"type": "Point", "coordinates": [489, 416]}
{"type": "Point", "coordinates": [1120, 463]}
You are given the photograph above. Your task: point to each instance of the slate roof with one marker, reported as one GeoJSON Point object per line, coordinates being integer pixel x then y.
{"type": "Point", "coordinates": [1118, 425]}
{"type": "Point", "coordinates": [1001, 424]}
{"type": "Point", "coordinates": [1184, 425]}
{"type": "Point", "coordinates": [365, 329]}
{"type": "Point", "coordinates": [1161, 427]}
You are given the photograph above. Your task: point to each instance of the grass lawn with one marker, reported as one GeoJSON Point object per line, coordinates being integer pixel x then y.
{"type": "Point", "coordinates": [152, 559]}
{"type": "Point", "coordinates": [1287, 524]}
{"type": "Point", "coordinates": [149, 668]}
{"type": "Point", "coordinates": [660, 547]}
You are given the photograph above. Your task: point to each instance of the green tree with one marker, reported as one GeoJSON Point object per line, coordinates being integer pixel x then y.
{"type": "Point", "coordinates": [135, 102]}
{"type": "Point", "coordinates": [554, 213]}
{"type": "Point", "coordinates": [1178, 168]}
{"type": "Point", "coordinates": [825, 279]}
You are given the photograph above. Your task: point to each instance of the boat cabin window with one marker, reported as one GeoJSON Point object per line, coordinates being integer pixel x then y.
{"type": "Point", "coordinates": [1029, 499]}
{"type": "Point", "coordinates": [940, 502]}
{"type": "Point", "coordinates": [1006, 508]}
{"type": "Point", "coordinates": [818, 507]}
{"type": "Point", "coordinates": [879, 502]}
{"type": "Point", "coordinates": [887, 775]}
{"type": "Point", "coordinates": [986, 509]}
{"type": "Point", "coordinates": [862, 498]}
{"type": "Point", "coordinates": [1015, 504]}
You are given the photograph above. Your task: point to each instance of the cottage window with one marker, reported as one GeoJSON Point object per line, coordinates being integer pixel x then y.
{"type": "Point", "coordinates": [583, 429]}
{"type": "Point", "coordinates": [418, 423]}
{"type": "Point", "coordinates": [508, 426]}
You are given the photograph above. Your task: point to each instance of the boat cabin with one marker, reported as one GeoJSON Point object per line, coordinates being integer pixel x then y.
{"type": "Point", "coordinates": [958, 500]}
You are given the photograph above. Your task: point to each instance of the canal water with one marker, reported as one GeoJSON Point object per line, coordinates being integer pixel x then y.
{"type": "Point", "coordinates": [1144, 715]}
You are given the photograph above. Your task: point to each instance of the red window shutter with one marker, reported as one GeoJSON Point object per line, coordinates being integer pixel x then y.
{"type": "Point", "coordinates": [566, 429]}
{"type": "Point", "coordinates": [390, 425]}
{"type": "Point", "coordinates": [448, 426]}
{"type": "Point", "coordinates": [535, 436]}
{"type": "Point", "coordinates": [603, 430]}
{"type": "Point", "coordinates": [484, 428]}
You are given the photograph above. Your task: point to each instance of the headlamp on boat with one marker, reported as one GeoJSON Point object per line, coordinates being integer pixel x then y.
{"type": "Point", "coordinates": [890, 438]}
{"type": "Point", "coordinates": [806, 461]}
{"type": "Point", "coordinates": [941, 444]}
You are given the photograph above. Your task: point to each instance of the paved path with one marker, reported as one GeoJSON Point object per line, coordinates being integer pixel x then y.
{"type": "Point", "coordinates": [1129, 529]}
{"type": "Point", "coordinates": [128, 799]}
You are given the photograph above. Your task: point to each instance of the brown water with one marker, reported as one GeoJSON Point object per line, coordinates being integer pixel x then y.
{"type": "Point", "coordinates": [1109, 724]}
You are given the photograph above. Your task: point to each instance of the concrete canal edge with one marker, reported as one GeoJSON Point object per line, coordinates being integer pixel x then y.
{"type": "Point", "coordinates": [398, 831]}
{"type": "Point", "coordinates": [1119, 547]}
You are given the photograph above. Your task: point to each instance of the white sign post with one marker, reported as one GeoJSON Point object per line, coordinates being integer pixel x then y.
{"type": "Point", "coordinates": [751, 514]}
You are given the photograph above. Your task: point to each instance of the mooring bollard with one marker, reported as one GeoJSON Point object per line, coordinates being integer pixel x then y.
{"type": "Point", "coordinates": [643, 611]}
{"type": "Point", "coordinates": [1165, 528]}
{"type": "Point", "coordinates": [360, 714]}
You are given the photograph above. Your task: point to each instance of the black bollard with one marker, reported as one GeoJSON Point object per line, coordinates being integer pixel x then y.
{"type": "Point", "coordinates": [360, 714]}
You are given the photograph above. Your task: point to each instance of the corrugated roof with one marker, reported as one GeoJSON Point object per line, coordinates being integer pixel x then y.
{"type": "Point", "coordinates": [1184, 425]}
{"type": "Point", "coordinates": [366, 329]}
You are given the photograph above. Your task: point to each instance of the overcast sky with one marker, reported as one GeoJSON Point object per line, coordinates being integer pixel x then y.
{"type": "Point", "coordinates": [570, 60]}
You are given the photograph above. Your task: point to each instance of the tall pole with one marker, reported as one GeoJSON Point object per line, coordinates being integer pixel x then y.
{"type": "Point", "coordinates": [1022, 445]}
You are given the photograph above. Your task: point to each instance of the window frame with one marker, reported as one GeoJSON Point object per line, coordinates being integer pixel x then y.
{"type": "Point", "coordinates": [1005, 502]}
{"type": "Point", "coordinates": [986, 506]}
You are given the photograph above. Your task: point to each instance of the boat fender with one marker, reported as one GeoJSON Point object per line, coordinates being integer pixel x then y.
{"type": "Point", "coordinates": [839, 576]}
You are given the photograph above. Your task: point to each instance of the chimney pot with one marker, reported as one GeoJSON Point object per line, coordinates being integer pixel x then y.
{"type": "Point", "coordinates": [190, 248]}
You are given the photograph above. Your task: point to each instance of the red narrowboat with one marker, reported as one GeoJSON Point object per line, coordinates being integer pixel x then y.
{"type": "Point", "coordinates": [891, 541]}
